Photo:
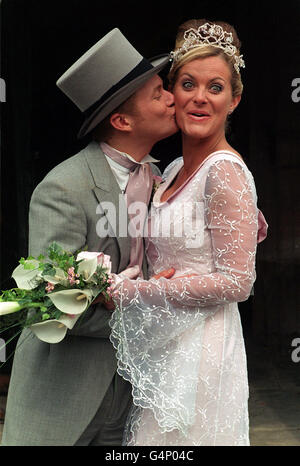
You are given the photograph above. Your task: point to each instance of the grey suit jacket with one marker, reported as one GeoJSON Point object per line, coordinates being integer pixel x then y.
{"type": "Point", "coordinates": [55, 390]}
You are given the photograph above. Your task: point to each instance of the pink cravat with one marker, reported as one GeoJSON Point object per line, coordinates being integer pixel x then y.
{"type": "Point", "coordinates": [138, 190]}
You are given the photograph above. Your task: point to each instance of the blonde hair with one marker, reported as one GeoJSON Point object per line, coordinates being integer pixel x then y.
{"type": "Point", "coordinates": [207, 51]}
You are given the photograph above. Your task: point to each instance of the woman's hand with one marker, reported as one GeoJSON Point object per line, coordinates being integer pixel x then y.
{"type": "Point", "coordinates": [131, 273]}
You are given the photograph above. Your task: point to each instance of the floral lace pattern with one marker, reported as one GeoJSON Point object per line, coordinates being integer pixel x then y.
{"type": "Point", "coordinates": [179, 342]}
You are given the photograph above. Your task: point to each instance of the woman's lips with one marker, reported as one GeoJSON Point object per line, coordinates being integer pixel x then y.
{"type": "Point", "coordinates": [198, 115]}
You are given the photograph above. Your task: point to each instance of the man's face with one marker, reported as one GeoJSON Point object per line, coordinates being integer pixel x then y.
{"type": "Point", "coordinates": [154, 116]}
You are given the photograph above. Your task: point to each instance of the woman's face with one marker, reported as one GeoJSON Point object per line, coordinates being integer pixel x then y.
{"type": "Point", "coordinates": [203, 97]}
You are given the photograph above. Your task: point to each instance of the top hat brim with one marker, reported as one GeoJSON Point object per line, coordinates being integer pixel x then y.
{"type": "Point", "coordinates": [120, 96]}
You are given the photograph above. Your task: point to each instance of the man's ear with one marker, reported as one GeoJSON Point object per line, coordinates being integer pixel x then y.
{"type": "Point", "coordinates": [120, 122]}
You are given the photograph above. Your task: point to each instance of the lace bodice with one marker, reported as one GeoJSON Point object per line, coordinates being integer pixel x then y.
{"type": "Point", "coordinates": [210, 228]}
{"type": "Point", "coordinates": [207, 231]}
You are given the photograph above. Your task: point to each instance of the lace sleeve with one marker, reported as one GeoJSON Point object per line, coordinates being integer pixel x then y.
{"type": "Point", "coordinates": [231, 217]}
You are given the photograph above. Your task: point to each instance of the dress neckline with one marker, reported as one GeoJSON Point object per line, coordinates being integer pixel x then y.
{"type": "Point", "coordinates": [174, 172]}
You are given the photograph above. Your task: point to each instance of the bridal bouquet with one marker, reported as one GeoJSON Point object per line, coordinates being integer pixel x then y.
{"type": "Point", "coordinates": [52, 293]}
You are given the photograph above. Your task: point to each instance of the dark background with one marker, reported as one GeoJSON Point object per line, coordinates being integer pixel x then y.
{"type": "Point", "coordinates": [41, 39]}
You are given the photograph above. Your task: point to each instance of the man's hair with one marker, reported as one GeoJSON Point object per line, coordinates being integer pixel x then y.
{"type": "Point", "coordinates": [104, 130]}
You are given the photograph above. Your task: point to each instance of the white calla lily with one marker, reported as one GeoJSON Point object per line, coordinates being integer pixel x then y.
{"type": "Point", "coordinates": [26, 279]}
{"type": "Point", "coordinates": [54, 330]}
{"type": "Point", "coordinates": [8, 307]}
{"type": "Point", "coordinates": [72, 301]}
{"type": "Point", "coordinates": [87, 268]}
{"type": "Point", "coordinates": [59, 277]}
{"type": "Point", "coordinates": [102, 259]}
{"type": "Point", "coordinates": [86, 255]}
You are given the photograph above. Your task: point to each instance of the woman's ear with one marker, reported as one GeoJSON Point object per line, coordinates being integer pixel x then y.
{"type": "Point", "coordinates": [235, 101]}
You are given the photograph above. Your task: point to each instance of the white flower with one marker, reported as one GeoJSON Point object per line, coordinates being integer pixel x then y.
{"type": "Point", "coordinates": [102, 259]}
{"type": "Point", "coordinates": [90, 261]}
{"type": "Point", "coordinates": [87, 268]}
{"type": "Point", "coordinates": [73, 301]}
{"type": "Point", "coordinates": [8, 307]}
{"type": "Point", "coordinates": [59, 277]}
{"type": "Point", "coordinates": [54, 330]}
{"type": "Point", "coordinates": [86, 255]}
{"type": "Point", "coordinates": [26, 279]}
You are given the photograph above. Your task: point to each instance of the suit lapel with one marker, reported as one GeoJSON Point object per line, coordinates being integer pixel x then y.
{"type": "Point", "coordinates": [110, 199]}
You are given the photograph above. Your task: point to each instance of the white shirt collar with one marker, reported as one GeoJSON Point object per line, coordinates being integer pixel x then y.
{"type": "Point", "coordinates": [122, 173]}
{"type": "Point", "coordinates": [147, 159]}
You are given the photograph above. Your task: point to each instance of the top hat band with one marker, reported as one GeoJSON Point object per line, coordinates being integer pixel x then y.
{"type": "Point", "coordinates": [142, 67]}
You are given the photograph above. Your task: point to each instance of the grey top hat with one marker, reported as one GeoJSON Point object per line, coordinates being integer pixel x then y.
{"type": "Point", "coordinates": [105, 76]}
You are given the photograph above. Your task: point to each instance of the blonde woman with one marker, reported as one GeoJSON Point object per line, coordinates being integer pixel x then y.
{"type": "Point", "coordinates": [180, 341]}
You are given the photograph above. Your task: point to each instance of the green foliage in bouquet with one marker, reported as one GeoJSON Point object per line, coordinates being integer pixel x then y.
{"type": "Point", "coordinates": [53, 292]}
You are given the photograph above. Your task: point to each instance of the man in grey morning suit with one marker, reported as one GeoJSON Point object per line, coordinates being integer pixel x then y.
{"type": "Point", "coordinates": [69, 393]}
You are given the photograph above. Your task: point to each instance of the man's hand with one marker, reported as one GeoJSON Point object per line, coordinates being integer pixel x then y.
{"type": "Point", "coordinates": [131, 272]}
{"type": "Point", "coordinates": [110, 305]}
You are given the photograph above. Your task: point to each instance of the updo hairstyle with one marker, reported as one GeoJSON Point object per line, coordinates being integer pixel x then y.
{"type": "Point", "coordinates": [207, 51]}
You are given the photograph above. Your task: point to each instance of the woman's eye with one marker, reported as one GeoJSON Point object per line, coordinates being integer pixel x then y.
{"type": "Point", "coordinates": [187, 85]}
{"type": "Point", "coordinates": [216, 88]}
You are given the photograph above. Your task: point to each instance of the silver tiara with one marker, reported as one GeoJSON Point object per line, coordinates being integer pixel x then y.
{"type": "Point", "coordinates": [209, 34]}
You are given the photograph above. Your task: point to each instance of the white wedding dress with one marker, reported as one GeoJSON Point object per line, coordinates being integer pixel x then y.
{"type": "Point", "coordinates": [179, 342]}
